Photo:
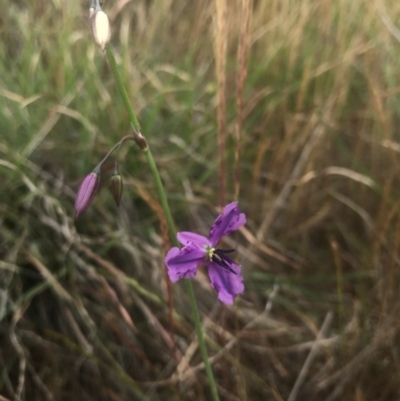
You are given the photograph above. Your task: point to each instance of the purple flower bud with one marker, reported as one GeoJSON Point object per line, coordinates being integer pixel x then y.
{"type": "Point", "coordinates": [117, 187]}
{"type": "Point", "coordinates": [86, 192]}
{"type": "Point", "coordinates": [100, 25]}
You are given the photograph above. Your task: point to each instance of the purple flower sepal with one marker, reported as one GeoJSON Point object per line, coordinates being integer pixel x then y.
{"type": "Point", "coordinates": [86, 192]}
{"type": "Point", "coordinates": [225, 274]}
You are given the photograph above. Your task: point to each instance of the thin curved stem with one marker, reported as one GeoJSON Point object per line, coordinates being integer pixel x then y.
{"type": "Point", "coordinates": [121, 88]}
{"type": "Point", "coordinates": [188, 283]}
{"type": "Point", "coordinates": [170, 222]}
{"type": "Point", "coordinates": [117, 145]}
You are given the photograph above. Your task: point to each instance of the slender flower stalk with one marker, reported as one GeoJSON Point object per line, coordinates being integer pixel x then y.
{"type": "Point", "coordinates": [188, 283]}
{"type": "Point", "coordinates": [167, 211]}
{"type": "Point", "coordinates": [122, 90]}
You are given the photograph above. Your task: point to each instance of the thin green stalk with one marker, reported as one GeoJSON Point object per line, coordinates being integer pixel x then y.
{"type": "Point", "coordinates": [121, 88]}
{"type": "Point", "coordinates": [188, 283]}
{"type": "Point", "coordinates": [117, 145]}
{"type": "Point", "coordinates": [170, 222]}
{"type": "Point", "coordinates": [162, 195]}
{"type": "Point", "coordinates": [200, 337]}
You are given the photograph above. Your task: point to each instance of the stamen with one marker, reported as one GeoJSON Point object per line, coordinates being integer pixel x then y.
{"type": "Point", "coordinates": [218, 256]}
{"type": "Point", "coordinates": [220, 253]}
{"type": "Point", "coordinates": [225, 250]}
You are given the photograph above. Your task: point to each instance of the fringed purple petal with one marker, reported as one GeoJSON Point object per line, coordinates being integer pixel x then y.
{"type": "Point", "coordinates": [184, 237]}
{"type": "Point", "coordinates": [182, 263]}
{"type": "Point", "coordinates": [229, 220]}
{"type": "Point", "coordinates": [227, 284]}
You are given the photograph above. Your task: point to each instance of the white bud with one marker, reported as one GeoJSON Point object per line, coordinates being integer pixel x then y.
{"type": "Point", "coordinates": [100, 25]}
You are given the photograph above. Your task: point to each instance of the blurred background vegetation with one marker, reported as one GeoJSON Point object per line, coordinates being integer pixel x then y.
{"type": "Point", "coordinates": [85, 309]}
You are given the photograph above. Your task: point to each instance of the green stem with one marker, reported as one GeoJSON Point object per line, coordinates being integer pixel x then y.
{"type": "Point", "coordinates": [189, 287]}
{"type": "Point", "coordinates": [162, 195]}
{"type": "Point", "coordinates": [200, 337]}
{"type": "Point", "coordinates": [117, 145]}
{"type": "Point", "coordinates": [121, 88]}
{"type": "Point", "coordinates": [170, 221]}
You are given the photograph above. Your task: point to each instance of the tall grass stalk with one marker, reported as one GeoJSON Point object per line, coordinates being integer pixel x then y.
{"type": "Point", "coordinates": [327, 68]}
{"type": "Point", "coordinates": [221, 40]}
{"type": "Point", "coordinates": [241, 75]}
{"type": "Point", "coordinates": [170, 223]}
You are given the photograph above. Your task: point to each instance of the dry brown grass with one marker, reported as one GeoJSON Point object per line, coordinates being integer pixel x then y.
{"type": "Point", "coordinates": [310, 92]}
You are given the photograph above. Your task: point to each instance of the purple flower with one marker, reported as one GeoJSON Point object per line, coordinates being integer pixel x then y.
{"type": "Point", "coordinates": [225, 275]}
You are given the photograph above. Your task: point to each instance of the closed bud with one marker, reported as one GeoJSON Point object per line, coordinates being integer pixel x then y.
{"type": "Point", "coordinates": [100, 25]}
{"type": "Point", "coordinates": [140, 140]}
{"type": "Point", "coordinates": [86, 192]}
{"type": "Point", "coordinates": [117, 187]}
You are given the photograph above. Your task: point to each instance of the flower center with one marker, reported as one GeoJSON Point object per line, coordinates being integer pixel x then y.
{"type": "Point", "coordinates": [219, 257]}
